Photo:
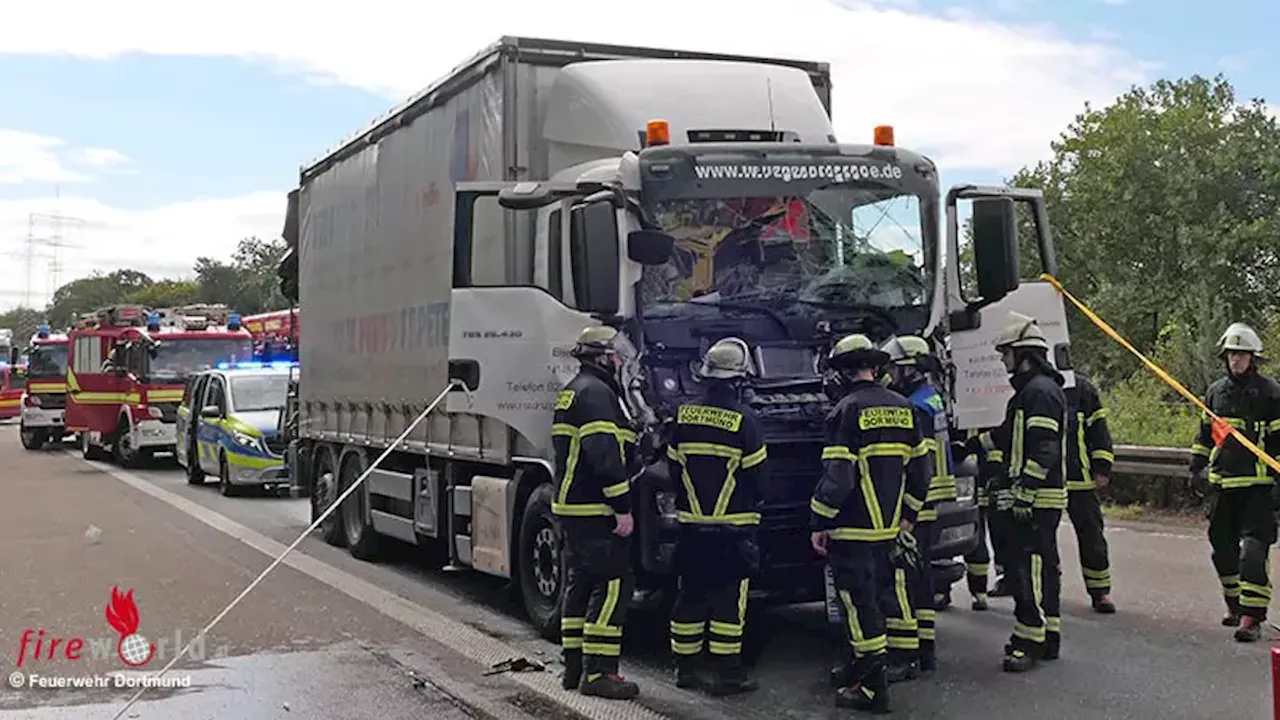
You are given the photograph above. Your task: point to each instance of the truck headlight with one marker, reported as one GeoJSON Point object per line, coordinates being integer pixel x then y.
{"type": "Point", "coordinates": [666, 502]}
{"type": "Point", "coordinates": [965, 485]}
{"type": "Point", "coordinates": [155, 412]}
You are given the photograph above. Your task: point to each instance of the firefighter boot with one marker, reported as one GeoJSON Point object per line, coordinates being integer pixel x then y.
{"type": "Point", "coordinates": [1001, 589]}
{"type": "Point", "coordinates": [1019, 657]}
{"type": "Point", "coordinates": [610, 686]}
{"type": "Point", "coordinates": [1232, 618]}
{"type": "Point", "coordinates": [687, 672]}
{"type": "Point", "coordinates": [1250, 629]}
{"type": "Point", "coordinates": [980, 602]}
{"type": "Point", "coordinates": [902, 666]}
{"type": "Point", "coordinates": [1102, 604]}
{"type": "Point", "coordinates": [1052, 646]}
{"type": "Point", "coordinates": [928, 656]}
{"type": "Point", "coordinates": [871, 692]}
{"type": "Point", "coordinates": [572, 669]}
{"type": "Point", "coordinates": [730, 678]}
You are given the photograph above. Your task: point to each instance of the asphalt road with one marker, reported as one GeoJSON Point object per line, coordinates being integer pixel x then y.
{"type": "Point", "coordinates": [1164, 655]}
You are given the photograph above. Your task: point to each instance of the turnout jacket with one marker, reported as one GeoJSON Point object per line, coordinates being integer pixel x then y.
{"type": "Point", "coordinates": [1032, 440]}
{"type": "Point", "coordinates": [981, 442]}
{"type": "Point", "coordinates": [716, 456]}
{"type": "Point", "coordinates": [595, 447]}
{"type": "Point", "coordinates": [1251, 404]}
{"type": "Point", "coordinates": [1088, 438]}
{"type": "Point", "coordinates": [935, 431]}
{"type": "Point", "coordinates": [874, 471]}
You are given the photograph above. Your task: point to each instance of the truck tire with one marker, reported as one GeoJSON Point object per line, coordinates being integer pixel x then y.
{"type": "Point", "coordinates": [362, 540]}
{"type": "Point", "coordinates": [33, 439]}
{"type": "Point", "coordinates": [224, 478]}
{"type": "Point", "coordinates": [195, 475]}
{"type": "Point", "coordinates": [88, 450]}
{"type": "Point", "coordinates": [124, 454]}
{"type": "Point", "coordinates": [324, 492]}
{"type": "Point", "coordinates": [539, 564]}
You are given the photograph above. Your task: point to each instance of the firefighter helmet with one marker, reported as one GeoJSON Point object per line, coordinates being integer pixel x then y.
{"type": "Point", "coordinates": [1021, 331]}
{"type": "Point", "coordinates": [906, 349]}
{"type": "Point", "coordinates": [856, 351]}
{"type": "Point", "coordinates": [727, 359]}
{"type": "Point", "coordinates": [596, 340]}
{"type": "Point", "coordinates": [1239, 337]}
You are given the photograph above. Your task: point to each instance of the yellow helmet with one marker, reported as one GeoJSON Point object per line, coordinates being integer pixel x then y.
{"type": "Point", "coordinates": [728, 358]}
{"type": "Point", "coordinates": [1021, 331]}
{"type": "Point", "coordinates": [906, 349]}
{"type": "Point", "coordinates": [1240, 338]}
{"type": "Point", "coordinates": [596, 340]}
{"type": "Point", "coordinates": [856, 350]}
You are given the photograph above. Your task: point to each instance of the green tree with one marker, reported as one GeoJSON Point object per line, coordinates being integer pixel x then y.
{"type": "Point", "coordinates": [96, 291]}
{"type": "Point", "coordinates": [249, 283]}
{"type": "Point", "coordinates": [1166, 211]}
{"type": "Point", "coordinates": [166, 293]}
{"type": "Point", "coordinates": [23, 321]}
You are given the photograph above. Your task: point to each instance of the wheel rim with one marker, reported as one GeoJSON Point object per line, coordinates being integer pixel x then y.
{"type": "Point", "coordinates": [352, 516]}
{"type": "Point", "coordinates": [546, 561]}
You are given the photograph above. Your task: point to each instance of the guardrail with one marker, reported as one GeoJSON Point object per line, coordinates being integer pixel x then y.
{"type": "Point", "coordinates": [1156, 461]}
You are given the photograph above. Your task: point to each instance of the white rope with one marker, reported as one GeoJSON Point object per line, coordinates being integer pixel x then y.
{"type": "Point", "coordinates": [315, 524]}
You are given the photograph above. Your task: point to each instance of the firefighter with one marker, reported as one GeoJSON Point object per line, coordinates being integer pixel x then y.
{"type": "Point", "coordinates": [1089, 459]}
{"type": "Point", "coordinates": [1242, 488]}
{"type": "Point", "coordinates": [978, 562]}
{"type": "Point", "coordinates": [717, 451]}
{"type": "Point", "coordinates": [911, 362]}
{"type": "Point", "coordinates": [594, 446]}
{"type": "Point", "coordinates": [858, 511]}
{"type": "Point", "coordinates": [1031, 494]}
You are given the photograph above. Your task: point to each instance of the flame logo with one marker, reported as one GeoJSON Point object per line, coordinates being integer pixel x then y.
{"type": "Point", "coordinates": [122, 614]}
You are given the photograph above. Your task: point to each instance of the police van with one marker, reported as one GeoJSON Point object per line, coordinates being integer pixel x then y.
{"type": "Point", "coordinates": [228, 426]}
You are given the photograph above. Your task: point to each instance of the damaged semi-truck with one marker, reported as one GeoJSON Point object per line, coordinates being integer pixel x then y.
{"type": "Point", "coordinates": [545, 186]}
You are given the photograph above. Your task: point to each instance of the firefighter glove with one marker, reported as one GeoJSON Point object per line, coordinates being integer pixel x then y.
{"type": "Point", "coordinates": [1023, 502]}
{"type": "Point", "coordinates": [906, 552]}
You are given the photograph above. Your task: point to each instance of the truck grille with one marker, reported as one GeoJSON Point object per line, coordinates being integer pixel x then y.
{"type": "Point", "coordinates": [168, 411]}
{"type": "Point", "coordinates": [52, 401]}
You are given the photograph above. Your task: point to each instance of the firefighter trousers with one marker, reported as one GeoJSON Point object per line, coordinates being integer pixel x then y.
{"type": "Point", "coordinates": [1242, 528]}
{"type": "Point", "coordinates": [920, 585]}
{"type": "Point", "coordinates": [597, 592]}
{"type": "Point", "coordinates": [1034, 572]}
{"type": "Point", "coordinates": [711, 613]}
{"type": "Point", "coordinates": [1086, 517]}
{"type": "Point", "coordinates": [978, 562]}
{"type": "Point", "coordinates": [865, 579]}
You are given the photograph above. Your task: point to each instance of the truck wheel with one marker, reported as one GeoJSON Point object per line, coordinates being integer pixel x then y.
{"type": "Point", "coordinates": [323, 493]}
{"type": "Point", "coordinates": [362, 540]}
{"type": "Point", "coordinates": [125, 455]}
{"type": "Point", "coordinates": [33, 439]}
{"type": "Point", "coordinates": [539, 564]}
{"type": "Point", "coordinates": [88, 450]}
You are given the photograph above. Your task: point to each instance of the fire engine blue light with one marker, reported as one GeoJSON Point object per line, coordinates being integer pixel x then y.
{"type": "Point", "coordinates": [224, 366]}
{"type": "Point", "coordinates": [233, 321]}
{"type": "Point", "coordinates": [153, 321]}
{"type": "Point", "coordinates": [43, 330]}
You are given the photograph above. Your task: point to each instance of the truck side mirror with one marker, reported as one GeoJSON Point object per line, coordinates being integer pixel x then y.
{"type": "Point", "coordinates": [210, 412]}
{"type": "Point", "coordinates": [593, 254]}
{"type": "Point", "coordinates": [650, 247]}
{"type": "Point", "coordinates": [995, 248]}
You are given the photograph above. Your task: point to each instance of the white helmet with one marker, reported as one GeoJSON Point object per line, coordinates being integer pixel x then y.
{"type": "Point", "coordinates": [727, 359]}
{"type": "Point", "coordinates": [1021, 331]}
{"type": "Point", "coordinates": [1240, 338]}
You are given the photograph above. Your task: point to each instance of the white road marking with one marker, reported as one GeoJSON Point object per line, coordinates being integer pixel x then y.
{"type": "Point", "coordinates": [462, 639]}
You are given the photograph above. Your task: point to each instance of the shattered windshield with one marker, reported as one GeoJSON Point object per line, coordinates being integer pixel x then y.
{"type": "Point", "coordinates": [833, 246]}
{"type": "Point", "coordinates": [174, 360]}
{"type": "Point", "coordinates": [48, 360]}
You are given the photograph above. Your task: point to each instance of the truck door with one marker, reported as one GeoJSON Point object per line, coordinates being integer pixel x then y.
{"type": "Point", "coordinates": [92, 398]}
{"type": "Point", "coordinates": [980, 386]}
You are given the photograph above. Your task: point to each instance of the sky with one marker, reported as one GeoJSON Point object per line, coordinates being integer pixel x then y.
{"type": "Point", "coordinates": [144, 134]}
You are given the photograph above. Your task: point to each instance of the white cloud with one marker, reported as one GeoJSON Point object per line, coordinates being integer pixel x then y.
{"type": "Point", "coordinates": [162, 242]}
{"type": "Point", "coordinates": [100, 158]}
{"type": "Point", "coordinates": [973, 93]}
{"type": "Point", "coordinates": [27, 157]}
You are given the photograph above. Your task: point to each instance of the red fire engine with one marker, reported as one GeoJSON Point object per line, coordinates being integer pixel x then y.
{"type": "Point", "coordinates": [275, 334]}
{"type": "Point", "coordinates": [12, 381]}
{"type": "Point", "coordinates": [127, 369]}
{"type": "Point", "coordinates": [44, 404]}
